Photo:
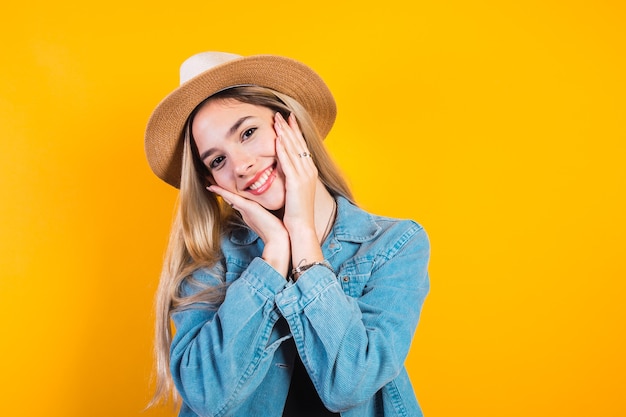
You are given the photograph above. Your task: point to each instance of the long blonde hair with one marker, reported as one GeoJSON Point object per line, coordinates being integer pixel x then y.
{"type": "Point", "coordinates": [201, 219]}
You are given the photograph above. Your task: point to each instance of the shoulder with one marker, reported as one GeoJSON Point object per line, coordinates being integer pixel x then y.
{"type": "Point", "coordinates": [400, 236]}
{"type": "Point", "coordinates": [391, 234]}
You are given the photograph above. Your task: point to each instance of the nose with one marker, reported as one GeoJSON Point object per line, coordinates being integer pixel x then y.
{"type": "Point", "coordinates": [243, 162]}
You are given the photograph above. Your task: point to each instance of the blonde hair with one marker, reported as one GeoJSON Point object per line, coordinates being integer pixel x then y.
{"type": "Point", "coordinates": [201, 219]}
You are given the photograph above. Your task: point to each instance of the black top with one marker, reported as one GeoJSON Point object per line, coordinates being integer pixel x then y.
{"type": "Point", "coordinates": [303, 400]}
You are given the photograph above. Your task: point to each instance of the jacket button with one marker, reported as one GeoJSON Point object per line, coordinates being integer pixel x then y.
{"type": "Point", "coordinates": [346, 279]}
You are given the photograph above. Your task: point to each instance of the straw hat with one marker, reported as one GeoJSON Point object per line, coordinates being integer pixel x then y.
{"type": "Point", "coordinates": [207, 73]}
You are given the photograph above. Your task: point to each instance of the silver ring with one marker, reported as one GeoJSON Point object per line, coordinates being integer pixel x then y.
{"type": "Point", "coordinates": [305, 155]}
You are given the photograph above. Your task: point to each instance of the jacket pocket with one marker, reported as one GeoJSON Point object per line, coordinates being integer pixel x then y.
{"type": "Point", "coordinates": [354, 274]}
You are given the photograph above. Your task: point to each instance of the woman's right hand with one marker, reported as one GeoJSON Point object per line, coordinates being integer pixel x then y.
{"type": "Point", "coordinates": [271, 230]}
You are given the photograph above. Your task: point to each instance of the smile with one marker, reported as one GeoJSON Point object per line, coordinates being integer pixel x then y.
{"type": "Point", "coordinates": [262, 182]}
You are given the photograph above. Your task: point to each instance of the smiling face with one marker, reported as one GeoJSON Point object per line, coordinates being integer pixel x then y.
{"type": "Point", "coordinates": [237, 143]}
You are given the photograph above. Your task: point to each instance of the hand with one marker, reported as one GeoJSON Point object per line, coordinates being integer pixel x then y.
{"type": "Point", "coordinates": [301, 182]}
{"type": "Point", "coordinates": [300, 175]}
{"type": "Point", "coordinates": [269, 228]}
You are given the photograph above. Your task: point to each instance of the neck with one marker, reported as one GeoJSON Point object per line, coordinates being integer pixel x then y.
{"type": "Point", "coordinates": [325, 211]}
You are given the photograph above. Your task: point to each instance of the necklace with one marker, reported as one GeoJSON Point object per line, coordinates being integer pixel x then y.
{"type": "Point", "coordinates": [331, 220]}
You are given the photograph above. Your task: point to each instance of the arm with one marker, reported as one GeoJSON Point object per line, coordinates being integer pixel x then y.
{"type": "Point", "coordinates": [352, 347]}
{"type": "Point", "coordinates": [219, 357]}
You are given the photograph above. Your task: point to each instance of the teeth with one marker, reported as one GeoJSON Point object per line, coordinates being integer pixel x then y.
{"type": "Point", "coordinates": [262, 179]}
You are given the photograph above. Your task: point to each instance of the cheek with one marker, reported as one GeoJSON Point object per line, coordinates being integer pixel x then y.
{"type": "Point", "coordinates": [222, 180]}
{"type": "Point", "coordinates": [267, 146]}
{"type": "Point", "coordinates": [280, 174]}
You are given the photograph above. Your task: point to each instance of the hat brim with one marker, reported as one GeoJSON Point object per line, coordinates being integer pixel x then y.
{"type": "Point", "coordinates": [163, 138]}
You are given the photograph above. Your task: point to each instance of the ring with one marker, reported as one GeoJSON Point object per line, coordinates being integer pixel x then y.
{"type": "Point", "coordinates": [305, 155]}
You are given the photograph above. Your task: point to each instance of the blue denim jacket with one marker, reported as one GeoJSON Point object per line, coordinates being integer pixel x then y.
{"type": "Point", "coordinates": [352, 328]}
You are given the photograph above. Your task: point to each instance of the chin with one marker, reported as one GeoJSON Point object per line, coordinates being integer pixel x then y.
{"type": "Point", "coordinates": [274, 199]}
{"type": "Point", "coordinates": [273, 206]}
{"type": "Point", "coordinates": [273, 203]}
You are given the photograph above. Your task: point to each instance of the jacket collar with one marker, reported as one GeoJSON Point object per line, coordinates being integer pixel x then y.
{"type": "Point", "coordinates": [352, 225]}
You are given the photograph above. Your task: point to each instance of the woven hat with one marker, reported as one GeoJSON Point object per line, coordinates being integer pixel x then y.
{"type": "Point", "coordinates": [207, 73]}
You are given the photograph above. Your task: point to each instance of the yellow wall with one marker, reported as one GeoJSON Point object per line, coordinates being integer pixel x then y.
{"type": "Point", "coordinates": [498, 125]}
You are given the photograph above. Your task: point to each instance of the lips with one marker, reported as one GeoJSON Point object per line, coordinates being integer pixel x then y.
{"type": "Point", "coordinates": [261, 182]}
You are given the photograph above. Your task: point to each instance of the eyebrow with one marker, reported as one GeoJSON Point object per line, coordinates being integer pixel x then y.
{"type": "Point", "coordinates": [233, 129]}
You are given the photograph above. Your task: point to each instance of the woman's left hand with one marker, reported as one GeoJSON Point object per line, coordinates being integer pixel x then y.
{"type": "Point", "coordinates": [300, 173]}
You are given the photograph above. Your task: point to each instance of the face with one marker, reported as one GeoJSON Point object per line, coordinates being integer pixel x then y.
{"type": "Point", "coordinates": [237, 143]}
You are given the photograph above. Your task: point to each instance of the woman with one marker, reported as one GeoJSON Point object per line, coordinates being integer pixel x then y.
{"type": "Point", "coordinates": [287, 299]}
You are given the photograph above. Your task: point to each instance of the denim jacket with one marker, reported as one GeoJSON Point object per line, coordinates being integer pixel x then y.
{"type": "Point", "coordinates": [352, 327]}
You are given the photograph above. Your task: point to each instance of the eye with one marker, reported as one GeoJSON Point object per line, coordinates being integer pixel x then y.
{"type": "Point", "coordinates": [247, 133]}
{"type": "Point", "coordinates": [216, 162]}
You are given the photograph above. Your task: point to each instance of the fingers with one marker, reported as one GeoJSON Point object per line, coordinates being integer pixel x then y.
{"type": "Point", "coordinates": [290, 134]}
{"type": "Point", "coordinates": [229, 198]}
{"type": "Point", "coordinates": [284, 127]}
{"type": "Point", "coordinates": [301, 175]}
{"type": "Point", "coordinates": [291, 147]}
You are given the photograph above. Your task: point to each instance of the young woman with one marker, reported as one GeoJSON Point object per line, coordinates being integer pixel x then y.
{"type": "Point", "coordinates": [287, 299]}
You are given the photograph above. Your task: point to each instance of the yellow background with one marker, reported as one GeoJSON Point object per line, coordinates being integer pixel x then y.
{"type": "Point", "coordinates": [500, 126]}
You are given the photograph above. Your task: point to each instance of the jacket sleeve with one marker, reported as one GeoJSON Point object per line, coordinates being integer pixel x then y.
{"type": "Point", "coordinates": [218, 357]}
{"type": "Point", "coordinates": [352, 347]}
